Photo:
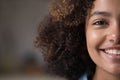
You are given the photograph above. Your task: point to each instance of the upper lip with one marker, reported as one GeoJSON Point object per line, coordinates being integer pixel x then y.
{"type": "Point", "coordinates": [110, 48]}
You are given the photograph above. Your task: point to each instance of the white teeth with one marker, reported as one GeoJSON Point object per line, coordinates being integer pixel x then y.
{"type": "Point", "coordinates": [113, 51]}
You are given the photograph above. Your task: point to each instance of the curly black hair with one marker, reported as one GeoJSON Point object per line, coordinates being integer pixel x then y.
{"type": "Point", "coordinates": [61, 39]}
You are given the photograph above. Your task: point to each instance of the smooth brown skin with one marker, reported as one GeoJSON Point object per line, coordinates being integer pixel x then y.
{"type": "Point", "coordinates": [103, 35]}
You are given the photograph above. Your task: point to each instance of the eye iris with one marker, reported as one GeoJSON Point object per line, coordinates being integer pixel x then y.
{"type": "Point", "coordinates": [100, 23]}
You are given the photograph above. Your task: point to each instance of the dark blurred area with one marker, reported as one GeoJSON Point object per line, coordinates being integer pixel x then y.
{"type": "Point", "coordinates": [19, 20]}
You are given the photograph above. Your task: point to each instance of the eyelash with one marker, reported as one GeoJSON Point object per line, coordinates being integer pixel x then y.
{"type": "Point", "coordinates": [100, 22]}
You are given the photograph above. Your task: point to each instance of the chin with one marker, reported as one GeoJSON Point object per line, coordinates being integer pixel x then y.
{"type": "Point", "coordinates": [114, 70]}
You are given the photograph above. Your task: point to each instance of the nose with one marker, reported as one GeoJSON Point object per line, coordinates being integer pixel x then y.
{"type": "Point", "coordinates": [114, 34]}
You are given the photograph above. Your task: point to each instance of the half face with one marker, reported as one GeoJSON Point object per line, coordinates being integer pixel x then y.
{"type": "Point", "coordinates": [103, 35]}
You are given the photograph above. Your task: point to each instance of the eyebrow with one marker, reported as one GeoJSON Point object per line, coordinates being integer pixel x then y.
{"type": "Point", "coordinates": [102, 13]}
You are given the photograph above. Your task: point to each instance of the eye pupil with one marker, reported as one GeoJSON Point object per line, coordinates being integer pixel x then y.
{"type": "Point", "coordinates": [100, 22]}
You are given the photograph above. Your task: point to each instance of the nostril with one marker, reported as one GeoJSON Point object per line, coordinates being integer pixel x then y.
{"type": "Point", "coordinates": [111, 40]}
{"type": "Point", "coordinates": [114, 38]}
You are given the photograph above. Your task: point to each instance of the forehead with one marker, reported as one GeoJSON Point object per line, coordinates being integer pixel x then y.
{"type": "Point", "coordinates": [106, 5]}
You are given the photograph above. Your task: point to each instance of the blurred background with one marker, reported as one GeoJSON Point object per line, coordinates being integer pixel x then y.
{"type": "Point", "coordinates": [19, 20]}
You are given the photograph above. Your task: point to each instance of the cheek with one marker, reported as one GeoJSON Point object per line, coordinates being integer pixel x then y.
{"type": "Point", "coordinates": [93, 39]}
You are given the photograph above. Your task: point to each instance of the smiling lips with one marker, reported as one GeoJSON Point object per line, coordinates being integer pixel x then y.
{"type": "Point", "coordinates": [112, 51]}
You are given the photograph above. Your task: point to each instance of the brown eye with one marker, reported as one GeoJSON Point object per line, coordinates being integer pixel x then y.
{"type": "Point", "coordinates": [100, 22]}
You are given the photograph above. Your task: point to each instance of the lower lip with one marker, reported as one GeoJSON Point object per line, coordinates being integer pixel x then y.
{"type": "Point", "coordinates": [112, 57]}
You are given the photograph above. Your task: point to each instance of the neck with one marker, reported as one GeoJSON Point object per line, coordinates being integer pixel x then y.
{"type": "Point", "coordinates": [103, 75]}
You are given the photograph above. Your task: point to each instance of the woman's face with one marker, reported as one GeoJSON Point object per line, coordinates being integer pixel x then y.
{"type": "Point", "coordinates": [103, 35]}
